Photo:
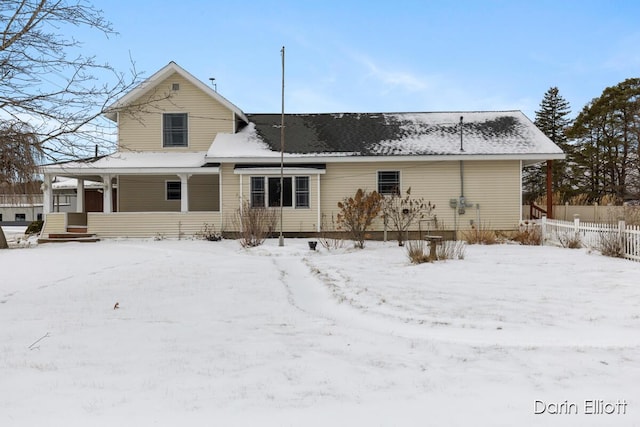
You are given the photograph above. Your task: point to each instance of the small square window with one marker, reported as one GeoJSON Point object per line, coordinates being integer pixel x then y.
{"type": "Point", "coordinates": [174, 190]}
{"type": "Point", "coordinates": [21, 217]}
{"type": "Point", "coordinates": [389, 182]}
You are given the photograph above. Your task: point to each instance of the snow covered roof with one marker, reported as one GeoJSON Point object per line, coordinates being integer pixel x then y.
{"type": "Point", "coordinates": [158, 77]}
{"type": "Point", "coordinates": [150, 162]}
{"type": "Point", "coordinates": [65, 183]}
{"type": "Point", "coordinates": [388, 134]}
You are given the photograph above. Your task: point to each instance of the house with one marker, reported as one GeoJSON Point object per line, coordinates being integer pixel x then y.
{"type": "Point", "coordinates": [23, 208]}
{"type": "Point", "coordinates": [187, 156]}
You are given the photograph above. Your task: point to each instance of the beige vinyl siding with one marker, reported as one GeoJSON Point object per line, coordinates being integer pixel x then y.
{"type": "Point", "coordinates": [204, 193]}
{"type": "Point", "coordinates": [147, 193]}
{"type": "Point", "coordinates": [149, 224]}
{"type": "Point", "coordinates": [54, 223]}
{"type": "Point", "coordinates": [495, 185]}
{"type": "Point", "coordinates": [141, 128]}
{"type": "Point", "coordinates": [230, 196]}
{"type": "Point", "coordinates": [294, 219]}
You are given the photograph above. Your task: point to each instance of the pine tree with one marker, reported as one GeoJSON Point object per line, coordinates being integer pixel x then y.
{"type": "Point", "coordinates": [552, 119]}
{"type": "Point", "coordinates": [607, 133]}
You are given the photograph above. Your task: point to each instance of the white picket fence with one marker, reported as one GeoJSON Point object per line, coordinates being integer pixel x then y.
{"type": "Point", "coordinates": [590, 234]}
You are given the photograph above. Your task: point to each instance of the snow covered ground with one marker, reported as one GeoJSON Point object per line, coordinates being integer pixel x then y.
{"type": "Point", "coordinates": [208, 333]}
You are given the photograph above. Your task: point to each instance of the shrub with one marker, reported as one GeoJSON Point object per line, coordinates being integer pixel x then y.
{"type": "Point", "coordinates": [255, 224]}
{"type": "Point", "coordinates": [529, 234]}
{"type": "Point", "coordinates": [329, 238]}
{"type": "Point", "coordinates": [402, 212]}
{"type": "Point", "coordinates": [419, 252]}
{"type": "Point", "coordinates": [357, 213]}
{"type": "Point", "coordinates": [208, 232]}
{"type": "Point", "coordinates": [480, 236]}
{"type": "Point", "coordinates": [451, 249]}
{"type": "Point", "coordinates": [416, 252]}
{"type": "Point", "coordinates": [611, 244]}
{"type": "Point", "coordinates": [570, 240]}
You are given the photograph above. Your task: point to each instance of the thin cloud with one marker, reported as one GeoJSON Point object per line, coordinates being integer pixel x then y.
{"type": "Point", "coordinates": [395, 79]}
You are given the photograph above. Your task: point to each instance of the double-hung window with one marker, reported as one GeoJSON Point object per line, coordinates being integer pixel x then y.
{"type": "Point", "coordinates": [257, 192]}
{"type": "Point", "coordinates": [302, 191]}
{"type": "Point", "coordinates": [388, 182]}
{"type": "Point", "coordinates": [175, 130]}
{"type": "Point", "coordinates": [174, 190]}
{"type": "Point", "coordinates": [266, 191]}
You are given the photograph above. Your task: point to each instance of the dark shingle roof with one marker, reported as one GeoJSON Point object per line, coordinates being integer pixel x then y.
{"type": "Point", "coordinates": [397, 134]}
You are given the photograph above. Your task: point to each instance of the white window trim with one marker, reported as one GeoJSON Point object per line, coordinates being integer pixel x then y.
{"type": "Point", "coordinates": [293, 190]}
{"type": "Point", "coordinates": [388, 170]}
{"type": "Point", "coordinates": [276, 171]}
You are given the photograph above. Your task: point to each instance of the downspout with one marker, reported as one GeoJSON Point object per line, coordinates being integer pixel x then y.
{"type": "Point", "coordinates": [462, 202]}
{"type": "Point", "coordinates": [220, 197]}
{"type": "Point", "coordinates": [550, 189]}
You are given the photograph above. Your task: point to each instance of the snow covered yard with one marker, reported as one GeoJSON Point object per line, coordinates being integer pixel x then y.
{"type": "Point", "coordinates": [208, 333]}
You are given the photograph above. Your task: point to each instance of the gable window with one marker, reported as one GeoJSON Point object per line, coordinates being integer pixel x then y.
{"type": "Point", "coordinates": [174, 190]}
{"type": "Point", "coordinates": [174, 130]}
{"type": "Point", "coordinates": [389, 182]}
{"type": "Point", "coordinates": [265, 192]}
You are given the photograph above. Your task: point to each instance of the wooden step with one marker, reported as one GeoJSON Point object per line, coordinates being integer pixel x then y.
{"type": "Point", "coordinates": [77, 229]}
{"type": "Point", "coordinates": [65, 240]}
{"type": "Point", "coordinates": [69, 237]}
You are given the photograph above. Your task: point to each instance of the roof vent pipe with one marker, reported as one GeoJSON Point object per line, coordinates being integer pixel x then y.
{"type": "Point", "coordinates": [461, 146]}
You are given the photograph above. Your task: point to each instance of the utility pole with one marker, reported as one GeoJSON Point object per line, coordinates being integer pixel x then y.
{"type": "Point", "coordinates": [281, 239]}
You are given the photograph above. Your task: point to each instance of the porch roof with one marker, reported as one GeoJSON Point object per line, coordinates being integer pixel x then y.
{"type": "Point", "coordinates": [136, 163]}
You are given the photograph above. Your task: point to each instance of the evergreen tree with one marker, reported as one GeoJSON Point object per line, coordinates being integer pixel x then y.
{"type": "Point", "coordinates": [607, 133]}
{"type": "Point", "coordinates": [552, 119]}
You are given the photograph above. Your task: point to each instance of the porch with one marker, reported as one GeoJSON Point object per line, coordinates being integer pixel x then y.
{"type": "Point", "coordinates": [130, 224]}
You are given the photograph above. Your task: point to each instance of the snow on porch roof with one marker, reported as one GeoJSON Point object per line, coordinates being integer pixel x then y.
{"type": "Point", "coordinates": [389, 134]}
{"type": "Point", "coordinates": [138, 162]}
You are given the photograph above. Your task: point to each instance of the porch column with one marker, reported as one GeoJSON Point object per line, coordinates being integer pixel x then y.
{"type": "Point", "coordinates": [184, 192]}
{"type": "Point", "coordinates": [47, 194]}
{"type": "Point", "coordinates": [550, 189]}
{"type": "Point", "coordinates": [319, 227]}
{"type": "Point", "coordinates": [107, 199]}
{"type": "Point", "coordinates": [80, 196]}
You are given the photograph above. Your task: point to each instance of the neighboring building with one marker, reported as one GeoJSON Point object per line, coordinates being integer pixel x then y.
{"type": "Point", "coordinates": [187, 157]}
{"type": "Point", "coordinates": [22, 209]}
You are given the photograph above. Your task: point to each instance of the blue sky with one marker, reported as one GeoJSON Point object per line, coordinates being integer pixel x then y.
{"type": "Point", "coordinates": [382, 56]}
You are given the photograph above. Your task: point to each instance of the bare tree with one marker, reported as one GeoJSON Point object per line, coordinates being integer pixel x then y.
{"type": "Point", "coordinates": [405, 211]}
{"type": "Point", "coordinates": [51, 94]}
